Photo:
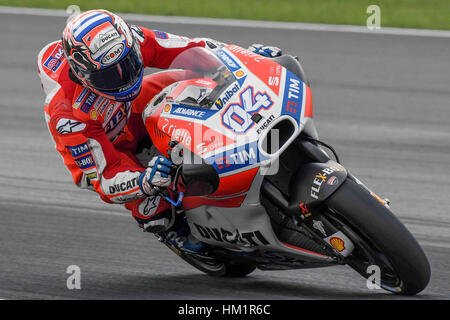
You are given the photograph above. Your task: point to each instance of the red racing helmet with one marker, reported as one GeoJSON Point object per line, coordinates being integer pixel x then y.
{"type": "Point", "coordinates": [104, 55]}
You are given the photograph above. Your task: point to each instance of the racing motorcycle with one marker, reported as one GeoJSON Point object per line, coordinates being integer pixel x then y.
{"type": "Point", "coordinates": [254, 183]}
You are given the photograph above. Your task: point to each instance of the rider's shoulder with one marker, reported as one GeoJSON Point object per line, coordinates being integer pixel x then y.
{"type": "Point", "coordinates": [65, 112]}
{"type": "Point", "coordinates": [51, 60]}
{"type": "Point", "coordinates": [143, 33]}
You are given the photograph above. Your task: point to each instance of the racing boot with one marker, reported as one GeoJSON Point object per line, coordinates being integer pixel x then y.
{"type": "Point", "coordinates": [159, 222]}
{"type": "Point", "coordinates": [181, 235]}
{"type": "Point", "coordinates": [152, 213]}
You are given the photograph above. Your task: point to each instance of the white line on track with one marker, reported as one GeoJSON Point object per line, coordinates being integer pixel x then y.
{"type": "Point", "coordinates": [242, 23]}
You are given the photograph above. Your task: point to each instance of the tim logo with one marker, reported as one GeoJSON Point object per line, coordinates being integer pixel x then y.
{"type": "Point", "coordinates": [54, 61]}
{"type": "Point", "coordinates": [293, 96]}
{"type": "Point", "coordinates": [237, 116]}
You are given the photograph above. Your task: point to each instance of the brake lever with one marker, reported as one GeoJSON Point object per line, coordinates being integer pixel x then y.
{"type": "Point", "coordinates": [156, 191]}
{"type": "Point", "coordinates": [179, 200]}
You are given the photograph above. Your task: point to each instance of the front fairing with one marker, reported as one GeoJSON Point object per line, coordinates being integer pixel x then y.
{"type": "Point", "coordinates": [226, 122]}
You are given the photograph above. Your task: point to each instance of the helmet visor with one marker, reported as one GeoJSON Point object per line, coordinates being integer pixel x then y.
{"type": "Point", "coordinates": [120, 76]}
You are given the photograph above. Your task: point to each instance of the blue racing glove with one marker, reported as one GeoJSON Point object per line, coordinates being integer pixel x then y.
{"type": "Point", "coordinates": [157, 174]}
{"type": "Point", "coordinates": [270, 52]}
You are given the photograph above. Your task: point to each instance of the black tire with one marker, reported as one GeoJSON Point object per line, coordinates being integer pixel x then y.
{"type": "Point", "coordinates": [217, 268]}
{"type": "Point", "coordinates": [238, 270]}
{"type": "Point", "coordinates": [207, 265]}
{"type": "Point", "coordinates": [385, 235]}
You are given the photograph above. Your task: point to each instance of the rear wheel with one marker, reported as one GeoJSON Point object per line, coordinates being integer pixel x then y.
{"type": "Point", "coordinates": [380, 239]}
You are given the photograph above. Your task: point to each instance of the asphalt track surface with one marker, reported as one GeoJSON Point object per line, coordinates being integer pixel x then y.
{"type": "Point", "coordinates": [381, 100]}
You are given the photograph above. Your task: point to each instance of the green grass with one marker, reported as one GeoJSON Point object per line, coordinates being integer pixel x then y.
{"type": "Point", "coordinates": [426, 14]}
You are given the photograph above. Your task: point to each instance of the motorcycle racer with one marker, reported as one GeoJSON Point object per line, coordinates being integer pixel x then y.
{"type": "Point", "coordinates": [95, 94]}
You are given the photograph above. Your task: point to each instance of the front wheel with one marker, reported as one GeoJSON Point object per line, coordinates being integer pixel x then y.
{"type": "Point", "coordinates": [380, 239]}
{"type": "Point", "coordinates": [214, 267]}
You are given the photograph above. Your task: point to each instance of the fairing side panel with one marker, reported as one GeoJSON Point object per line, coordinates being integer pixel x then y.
{"type": "Point", "coordinates": [247, 227]}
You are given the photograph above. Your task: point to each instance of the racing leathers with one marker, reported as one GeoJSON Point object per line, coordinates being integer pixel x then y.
{"type": "Point", "coordinates": [98, 138]}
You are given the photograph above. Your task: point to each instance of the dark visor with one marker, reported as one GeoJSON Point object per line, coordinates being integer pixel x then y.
{"type": "Point", "coordinates": [119, 76]}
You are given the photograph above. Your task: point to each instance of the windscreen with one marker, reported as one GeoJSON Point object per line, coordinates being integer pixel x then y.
{"type": "Point", "coordinates": [205, 64]}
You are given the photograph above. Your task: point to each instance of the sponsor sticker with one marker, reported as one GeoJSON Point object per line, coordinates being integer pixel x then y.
{"type": "Point", "coordinates": [245, 53]}
{"type": "Point", "coordinates": [85, 162]}
{"type": "Point", "coordinates": [120, 114]}
{"type": "Point", "coordinates": [100, 104]}
{"type": "Point", "coordinates": [191, 112]}
{"type": "Point", "coordinates": [321, 177]}
{"type": "Point", "coordinates": [226, 96]}
{"type": "Point", "coordinates": [293, 96]}
{"type": "Point", "coordinates": [98, 37]}
{"type": "Point", "coordinates": [172, 129]}
{"type": "Point", "coordinates": [79, 150]}
{"type": "Point", "coordinates": [332, 181]}
{"type": "Point", "coordinates": [65, 126]}
{"type": "Point", "coordinates": [341, 243]}
{"type": "Point", "coordinates": [113, 54]}
{"type": "Point", "coordinates": [55, 59]}
{"type": "Point", "coordinates": [151, 205]}
{"type": "Point", "coordinates": [337, 243]}
{"type": "Point", "coordinates": [94, 114]}
{"type": "Point", "coordinates": [305, 210]}
{"type": "Point", "coordinates": [248, 239]}
{"type": "Point", "coordinates": [80, 98]}
{"type": "Point", "coordinates": [265, 124]}
{"type": "Point", "coordinates": [108, 34]}
{"type": "Point", "coordinates": [231, 64]}
{"type": "Point", "coordinates": [160, 34]}
{"type": "Point", "coordinates": [92, 176]}
{"type": "Point", "coordinates": [318, 225]}
{"type": "Point", "coordinates": [124, 186]}
{"type": "Point", "coordinates": [88, 102]}
{"type": "Point", "coordinates": [237, 158]}
{"type": "Point", "coordinates": [109, 111]}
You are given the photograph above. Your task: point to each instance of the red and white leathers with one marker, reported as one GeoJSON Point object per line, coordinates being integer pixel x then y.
{"type": "Point", "coordinates": [98, 137]}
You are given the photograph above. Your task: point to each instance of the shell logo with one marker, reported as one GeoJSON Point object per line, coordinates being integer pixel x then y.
{"type": "Point", "coordinates": [94, 114]}
{"type": "Point", "coordinates": [337, 243]}
{"type": "Point", "coordinates": [239, 73]}
{"type": "Point", "coordinates": [167, 108]}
